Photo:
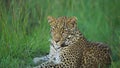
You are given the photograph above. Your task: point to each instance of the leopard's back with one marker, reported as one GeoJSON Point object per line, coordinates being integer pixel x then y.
{"type": "Point", "coordinates": [97, 55]}
{"type": "Point", "coordinates": [87, 55]}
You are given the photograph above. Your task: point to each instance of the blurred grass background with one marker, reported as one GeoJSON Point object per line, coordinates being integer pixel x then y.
{"type": "Point", "coordinates": [24, 31]}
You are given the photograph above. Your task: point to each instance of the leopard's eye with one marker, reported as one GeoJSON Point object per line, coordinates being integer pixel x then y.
{"type": "Point", "coordinates": [66, 30]}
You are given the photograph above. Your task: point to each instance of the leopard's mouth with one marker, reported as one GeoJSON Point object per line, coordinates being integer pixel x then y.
{"type": "Point", "coordinates": [63, 44]}
{"type": "Point", "coordinates": [58, 44]}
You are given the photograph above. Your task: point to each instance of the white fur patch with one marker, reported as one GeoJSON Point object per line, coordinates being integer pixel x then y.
{"type": "Point", "coordinates": [57, 57]}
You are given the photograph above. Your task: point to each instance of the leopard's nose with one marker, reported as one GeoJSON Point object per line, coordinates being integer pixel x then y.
{"type": "Point", "coordinates": [57, 40]}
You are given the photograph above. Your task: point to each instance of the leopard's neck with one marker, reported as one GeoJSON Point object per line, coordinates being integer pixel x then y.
{"type": "Point", "coordinates": [81, 37]}
{"type": "Point", "coordinates": [75, 37]}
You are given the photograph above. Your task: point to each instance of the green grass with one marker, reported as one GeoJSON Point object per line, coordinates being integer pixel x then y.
{"type": "Point", "coordinates": [24, 31]}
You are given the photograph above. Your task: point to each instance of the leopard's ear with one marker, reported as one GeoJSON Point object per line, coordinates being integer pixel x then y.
{"type": "Point", "coordinates": [72, 22]}
{"type": "Point", "coordinates": [73, 19]}
{"type": "Point", "coordinates": [50, 19]}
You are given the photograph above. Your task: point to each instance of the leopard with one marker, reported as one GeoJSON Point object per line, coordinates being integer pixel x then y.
{"type": "Point", "coordinates": [53, 50]}
{"type": "Point", "coordinates": [73, 50]}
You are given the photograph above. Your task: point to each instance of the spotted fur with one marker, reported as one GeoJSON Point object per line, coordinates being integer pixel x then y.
{"type": "Point", "coordinates": [73, 49]}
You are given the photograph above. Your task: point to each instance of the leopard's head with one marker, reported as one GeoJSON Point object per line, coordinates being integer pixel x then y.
{"type": "Point", "coordinates": [61, 29]}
